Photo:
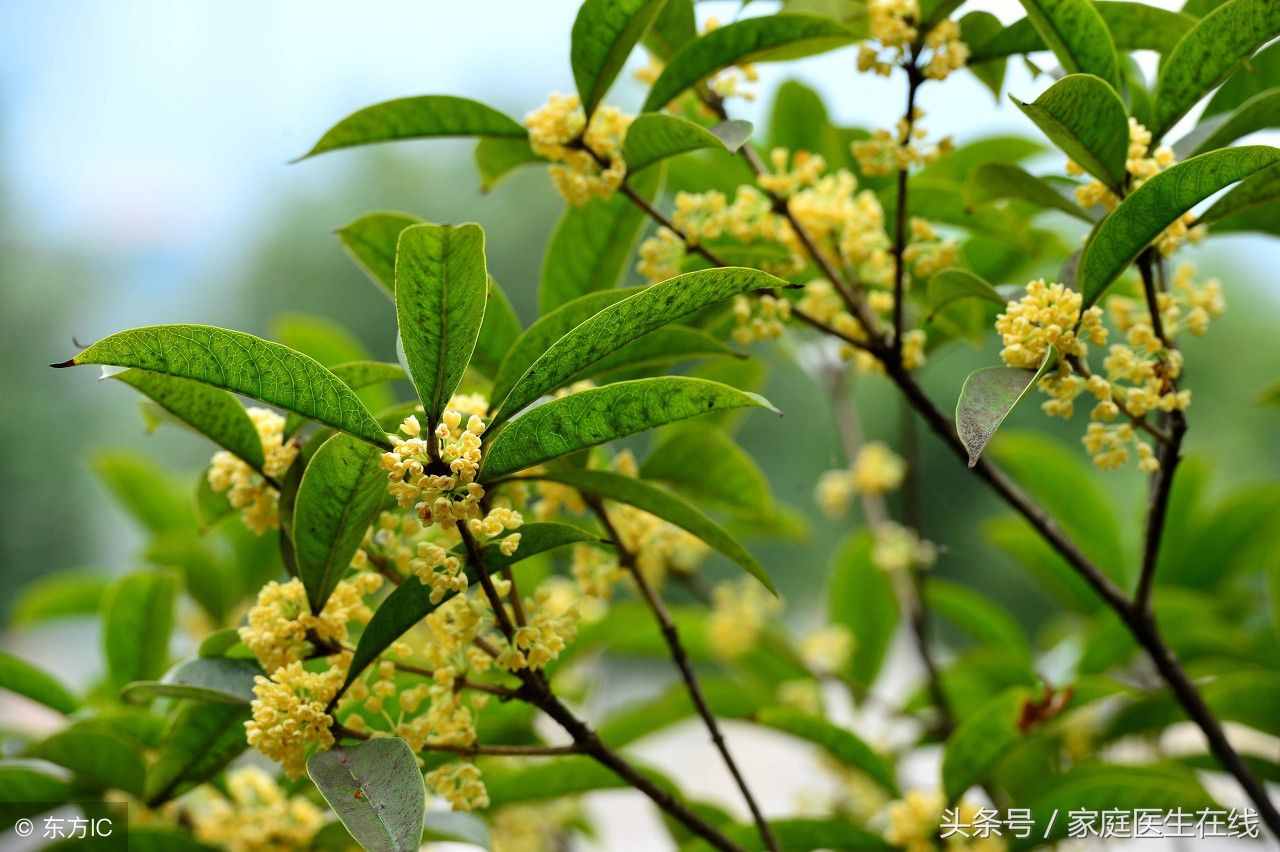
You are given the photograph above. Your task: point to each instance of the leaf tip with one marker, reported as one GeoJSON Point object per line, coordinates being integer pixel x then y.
{"type": "Point", "coordinates": [70, 362]}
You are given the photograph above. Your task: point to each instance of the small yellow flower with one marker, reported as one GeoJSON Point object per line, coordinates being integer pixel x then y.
{"type": "Point", "coordinates": [738, 615]}
{"type": "Point", "coordinates": [246, 490]}
{"type": "Point", "coordinates": [461, 784]}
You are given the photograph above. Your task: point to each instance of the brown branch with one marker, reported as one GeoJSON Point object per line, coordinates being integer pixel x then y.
{"type": "Point", "coordinates": [672, 636]}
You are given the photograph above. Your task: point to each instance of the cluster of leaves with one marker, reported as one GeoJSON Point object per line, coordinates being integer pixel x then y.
{"type": "Point", "coordinates": [155, 730]}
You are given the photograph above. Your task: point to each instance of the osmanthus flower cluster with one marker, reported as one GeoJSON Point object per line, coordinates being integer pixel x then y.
{"type": "Point", "coordinates": [244, 487]}
{"type": "Point", "coordinates": [252, 813]}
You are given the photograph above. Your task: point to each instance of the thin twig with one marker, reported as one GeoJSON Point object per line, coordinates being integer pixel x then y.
{"type": "Point", "coordinates": [914, 79]}
{"type": "Point", "coordinates": [672, 636]}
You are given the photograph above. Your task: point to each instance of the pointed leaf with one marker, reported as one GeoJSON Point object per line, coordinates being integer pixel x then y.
{"type": "Point", "coordinates": [1261, 112]}
{"type": "Point", "coordinates": [1077, 35]}
{"type": "Point", "coordinates": [1133, 26]}
{"type": "Point", "coordinates": [1208, 53]}
{"type": "Point", "coordinates": [243, 364]}
{"type": "Point", "coordinates": [674, 28]}
{"type": "Point", "coordinates": [992, 181]}
{"type": "Point", "coordinates": [342, 491]}
{"type": "Point", "coordinates": [1260, 190]}
{"type": "Point", "coordinates": [619, 324]}
{"type": "Point", "coordinates": [661, 503]}
{"type": "Point", "coordinates": [64, 594]}
{"type": "Point", "coordinates": [986, 398]}
{"type": "Point", "coordinates": [749, 40]}
{"type": "Point", "coordinates": [669, 345]}
{"type": "Point", "coordinates": [376, 790]}
{"type": "Point", "coordinates": [981, 740]}
{"type": "Point", "coordinates": [423, 117]}
{"type": "Point", "coordinates": [655, 136]}
{"type": "Point", "coordinates": [1085, 117]}
{"type": "Point", "coordinates": [861, 598]}
{"type": "Point", "coordinates": [498, 332]}
{"type": "Point", "coordinates": [603, 35]}
{"type": "Point", "coordinates": [590, 245]}
{"type": "Point", "coordinates": [602, 414]}
{"type": "Point", "coordinates": [137, 621]}
{"type": "Point", "coordinates": [100, 758]}
{"type": "Point", "coordinates": [497, 157]}
{"type": "Point", "coordinates": [371, 242]}
{"type": "Point", "coordinates": [1155, 205]}
{"type": "Point", "coordinates": [952, 285]}
{"type": "Point", "coordinates": [441, 289]}
{"type": "Point", "coordinates": [19, 676]}
{"type": "Point", "coordinates": [214, 413]}
{"type": "Point", "coordinates": [549, 328]}
{"type": "Point", "coordinates": [215, 679]}
{"type": "Point", "coordinates": [198, 743]}
{"type": "Point", "coordinates": [1254, 76]}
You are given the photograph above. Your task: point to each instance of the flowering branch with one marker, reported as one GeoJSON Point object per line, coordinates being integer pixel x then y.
{"type": "Point", "coordinates": [627, 559]}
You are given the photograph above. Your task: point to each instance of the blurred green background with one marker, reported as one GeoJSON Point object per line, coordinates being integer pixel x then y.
{"type": "Point", "coordinates": [143, 179]}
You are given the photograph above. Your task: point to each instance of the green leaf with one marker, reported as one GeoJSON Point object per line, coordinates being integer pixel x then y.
{"type": "Point", "coordinates": [65, 594]}
{"type": "Point", "coordinates": [1099, 787]}
{"type": "Point", "coordinates": [535, 538]}
{"type": "Point", "coordinates": [1254, 76]}
{"type": "Point", "coordinates": [1258, 190]}
{"type": "Point", "coordinates": [1133, 26]}
{"type": "Point", "coordinates": [371, 242]}
{"type": "Point", "coordinates": [441, 289]}
{"type": "Point", "coordinates": [839, 743]}
{"type": "Point", "coordinates": [1261, 112]}
{"type": "Point", "coordinates": [137, 620]}
{"type": "Point", "coordinates": [1156, 204]}
{"type": "Point", "coordinates": [211, 506]}
{"type": "Point", "coordinates": [660, 503]}
{"type": "Point", "coordinates": [861, 598]}
{"type": "Point", "coordinates": [952, 285]}
{"type": "Point", "coordinates": [1208, 53]}
{"type": "Point", "coordinates": [498, 333]}
{"type": "Point", "coordinates": [19, 676]}
{"type": "Point", "coordinates": [655, 136]}
{"type": "Point", "coordinates": [986, 398]}
{"type": "Point", "coordinates": [318, 337]}
{"type": "Point", "coordinates": [977, 29]}
{"type": "Point", "coordinates": [423, 117]}
{"type": "Point", "coordinates": [28, 786]}
{"type": "Point", "coordinates": [220, 642]}
{"type": "Point", "coordinates": [455, 827]}
{"type": "Point", "coordinates": [981, 741]}
{"type": "Point", "coordinates": [549, 328]}
{"type": "Point", "coordinates": [145, 490]}
{"type": "Point", "coordinates": [1085, 117]}
{"type": "Point", "coordinates": [241, 363]}
{"type": "Point", "coordinates": [599, 415]}
{"type": "Point", "coordinates": [407, 604]}
{"type": "Point", "coordinates": [216, 679]}
{"type": "Point", "coordinates": [674, 28]}
{"type": "Point", "coordinates": [617, 325]}
{"type": "Point", "coordinates": [604, 33]}
{"type": "Point", "coordinates": [701, 461]}
{"type": "Point", "coordinates": [1077, 35]}
{"type": "Point", "coordinates": [199, 741]}
{"type": "Point", "coordinates": [342, 491]}
{"type": "Point", "coordinates": [975, 615]}
{"type": "Point", "coordinates": [99, 758]}
{"type": "Point", "coordinates": [497, 157]}
{"type": "Point", "coordinates": [992, 181]}
{"type": "Point", "coordinates": [214, 413]}
{"type": "Point", "coordinates": [553, 778]}
{"type": "Point", "coordinates": [749, 40]}
{"type": "Point", "coordinates": [664, 346]}
{"type": "Point", "coordinates": [376, 790]}
{"type": "Point", "coordinates": [590, 245]}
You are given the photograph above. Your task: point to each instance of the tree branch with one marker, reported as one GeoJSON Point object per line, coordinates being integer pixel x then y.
{"type": "Point", "coordinates": [914, 79]}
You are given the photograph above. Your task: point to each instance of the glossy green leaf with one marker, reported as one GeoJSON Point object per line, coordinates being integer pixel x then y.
{"type": "Point", "coordinates": [986, 398]}
{"type": "Point", "coordinates": [763, 39]}
{"type": "Point", "coordinates": [981, 741]}
{"type": "Point", "coordinates": [843, 745]}
{"type": "Point", "coordinates": [342, 491]}
{"type": "Point", "coordinates": [137, 620]}
{"type": "Point", "coordinates": [422, 117]}
{"type": "Point", "coordinates": [673, 29]}
{"type": "Point", "coordinates": [671, 344]}
{"type": "Point", "coordinates": [598, 415]}
{"type": "Point", "coordinates": [604, 34]}
{"type": "Point", "coordinates": [220, 642]}
{"type": "Point", "coordinates": [1085, 117]}
{"type": "Point", "coordinates": [661, 503]}
{"type": "Point", "coordinates": [992, 181]}
{"type": "Point", "coordinates": [978, 29]}
{"type": "Point", "coordinates": [702, 462]}
{"type": "Point", "coordinates": [371, 242]}
{"type": "Point", "coordinates": [1208, 53]}
{"type": "Point", "coordinates": [549, 328]}
{"type": "Point", "coordinates": [590, 245]}
{"type": "Point", "coordinates": [99, 758]}
{"type": "Point", "coordinates": [1133, 26]}
{"type": "Point", "coordinates": [407, 604]}
{"type": "Point", "coordinates": [1155, 205]}
{"type": "Point", "coordinates": [497, 157]}
{"type": "Point", "coordinates": [198, 743]}
{"type": "Point", "coordinates": [243, 364]}
{"type": "Point", "coordinates": [1077, 35]}
{"type": "Point", "coordinates": [655, 136]}
{"type": "Point", "coordinates": [19, 676]}
{"type": "Point", "coordinates": [536, 537]}
{"type": "Point", "coordinates": [861, 598]}
{"type": "Point", "coordinates": [1261, 112]}
{"type": "Point", "coordinates": [216, 679]}
{"type": "Point", "coordinates": [441, 290]}
{"type": "Point", "coordinates": [952, 285]}
{"type": "Point", "coordinates": [1258, 190]}
{"type": "Point", "coordinates": [64, 594]}
{"type": "Point", "coordinates": [1254, 76]}
{"type": "Point", "coordinates": [617, 325]}
{"type": "Point", "coordinates": [974, 614]}
{"type": "Point", "coordinates": [498, 333]}
{"type": "Point", "coordinates": [376, 790]}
